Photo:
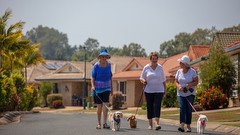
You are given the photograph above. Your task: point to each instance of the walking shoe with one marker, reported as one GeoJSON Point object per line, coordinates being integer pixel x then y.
{"type": "Point", "coordinates": [98, 126]}
{"type": "Point", "coordinates": [106, 126]}
{"type": "Point", "coordinates": [189, 130]}
{"type": "Point", "coordinates": [157, 127]}
{"type": "Point", "coordinates": [149, 127]}
{"type": "Point", "coordinates": [181, 129]}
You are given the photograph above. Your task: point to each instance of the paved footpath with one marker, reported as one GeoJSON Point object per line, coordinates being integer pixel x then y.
{"type": "Point", "coordinates": [60, 123]}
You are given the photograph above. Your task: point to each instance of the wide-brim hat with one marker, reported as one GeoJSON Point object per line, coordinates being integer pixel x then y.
{"type": "Point", "coordinates": [185, 60]}
{"type": "Point", "coordinates": [104, 52]}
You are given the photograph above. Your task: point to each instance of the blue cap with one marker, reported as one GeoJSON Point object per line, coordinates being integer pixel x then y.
{"type": "Point", "coordinates": [104, 52]}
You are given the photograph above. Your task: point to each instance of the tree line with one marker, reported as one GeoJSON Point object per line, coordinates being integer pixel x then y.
{"type": "Point", "coordinates": [55, 46]}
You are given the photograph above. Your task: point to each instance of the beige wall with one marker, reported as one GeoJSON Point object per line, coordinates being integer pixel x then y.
{"type": "Point", "coordinates": [65, 88]}
{"type": "Point", "coordinates": [130, 92]}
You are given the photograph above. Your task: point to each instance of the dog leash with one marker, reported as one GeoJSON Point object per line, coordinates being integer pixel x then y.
{"type": "Point", "coordinates": [139, 101]}
{"type": "Point", "coordinates": [193, 107]}
{"type": "Point", "coordinates": [102, 101]}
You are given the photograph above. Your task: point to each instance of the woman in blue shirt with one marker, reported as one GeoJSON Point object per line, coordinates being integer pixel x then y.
{"type": "Point", "coordinates": [102, 86]}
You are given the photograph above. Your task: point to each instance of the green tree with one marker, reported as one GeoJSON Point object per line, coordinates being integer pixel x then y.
{"type": "Point", "coordinates": [45, 89]}
{"type": "Point", "coordinates": [218, 71]}
{"type": "Point", "coordinates": [232, 29]}
{"type": "Point", "coordinates": [54, 45]}
{"type": "Point", "coordinates": [133, 50]}
{"type": "Point", "coordinates": [9, 36]}
{"type": "Point", "coordinates": [183, 40]}
{"type": "Point", "coordinates": [32, 57]}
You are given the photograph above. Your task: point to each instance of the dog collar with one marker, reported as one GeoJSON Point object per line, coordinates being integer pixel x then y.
{"type": "Point", "coordinates": [116, 120]}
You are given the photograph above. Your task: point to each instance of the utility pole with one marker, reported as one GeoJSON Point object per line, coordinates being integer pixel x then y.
{"type": "Point", "coordinates": [84, 85]}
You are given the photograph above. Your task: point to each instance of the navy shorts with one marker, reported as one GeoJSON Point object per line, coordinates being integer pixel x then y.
{"type": "Point", "coordinates": [104, 97]}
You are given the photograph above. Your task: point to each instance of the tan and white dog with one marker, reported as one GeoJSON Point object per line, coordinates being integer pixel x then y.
{"type": "Point", "coordinates": [201, 123]}
{"type": "Point", "coordinates": [115, 120]}
{"type": "Point", "coordinates": [132, 121]}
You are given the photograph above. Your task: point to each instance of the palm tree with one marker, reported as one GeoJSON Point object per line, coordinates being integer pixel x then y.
{"type": "Point", "coordinates": [32, 57]}
{"type": "Point", "coordinates": [9, 36]}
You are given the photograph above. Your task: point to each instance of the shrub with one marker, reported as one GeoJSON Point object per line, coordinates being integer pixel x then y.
{"type": "Point", "coordinates": [117, 100]}
{"type": "Point", "coordinates": [52, 98]}
{"type": "Point", "coordinates": [170, 98]}
{"type": "Point", "coordinates": [144, 106]}
{"type": "Point", "coordinates": [213, 98]}
{"type": "Point", "coordinates": [57, 104]}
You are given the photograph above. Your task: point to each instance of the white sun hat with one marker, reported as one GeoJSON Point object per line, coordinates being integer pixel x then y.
{"type": "Point", "coordinates": [185, 60]}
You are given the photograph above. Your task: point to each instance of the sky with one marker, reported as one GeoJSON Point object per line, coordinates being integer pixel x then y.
{"type": "Point", "coordinates": [120, 22]}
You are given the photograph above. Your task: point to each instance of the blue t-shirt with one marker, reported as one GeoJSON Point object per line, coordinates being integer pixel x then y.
{"type": "Point", "coordinates": [102, 76]}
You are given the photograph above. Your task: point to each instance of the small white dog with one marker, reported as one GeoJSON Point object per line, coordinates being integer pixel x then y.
{"type": "Point", "coordinates": [115, 120]}
{"type": "Point", "coordinates": [201, 123]}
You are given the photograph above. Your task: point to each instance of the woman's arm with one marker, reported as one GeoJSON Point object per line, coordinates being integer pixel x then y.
{"type": "Point", "coordinates": [193, 83]}
{"type": "Point", "coordinates": [179, 87]}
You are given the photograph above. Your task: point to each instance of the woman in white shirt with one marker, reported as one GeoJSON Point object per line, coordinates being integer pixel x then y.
{"type": "Point", "coordinates": [154, 80]}
{"type": "Point", "coordinates": [186, 80]}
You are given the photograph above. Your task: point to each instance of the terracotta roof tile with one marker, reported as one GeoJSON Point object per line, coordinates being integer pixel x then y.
{"type": "Point", "coordinates": [233, 44]}
{"type": "Point", "coordinates": [226, 38]}
{"type": "Point", "coordinates": [172, 62]}
{"type": "Point", "coordinates": [197, 51]}
{"type": "Point", "coordinates": [127, 75]}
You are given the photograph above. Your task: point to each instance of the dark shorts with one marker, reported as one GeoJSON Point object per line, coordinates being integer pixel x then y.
{"type": "Point", "coordinates": [104, 97]}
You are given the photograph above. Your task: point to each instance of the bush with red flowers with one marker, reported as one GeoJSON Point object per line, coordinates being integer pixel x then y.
{"type": "Point", "coordinates": [57, 104]}
{"type": "Point", "coordinates": [213, 98]}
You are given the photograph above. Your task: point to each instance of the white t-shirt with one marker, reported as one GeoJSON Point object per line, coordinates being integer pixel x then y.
{"type": "Point", "coordinates": [154, 78]}
{"type": "Point", "coordinates": [183, 79]}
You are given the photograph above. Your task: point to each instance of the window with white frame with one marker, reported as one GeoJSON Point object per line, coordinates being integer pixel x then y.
{"type": "Point", "coordinates": [122, 88]}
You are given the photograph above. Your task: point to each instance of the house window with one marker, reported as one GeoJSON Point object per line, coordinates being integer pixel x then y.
{"type": "Point", "coordinates": [122, 88]}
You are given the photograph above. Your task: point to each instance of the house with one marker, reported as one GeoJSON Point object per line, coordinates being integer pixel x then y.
{"type": "Point", "coordinates": [231, 43]}
{"type": "Point", "coordinates": [69, 77]}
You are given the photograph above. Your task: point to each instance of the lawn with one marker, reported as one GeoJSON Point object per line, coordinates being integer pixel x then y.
{"type": "Point", "coordinates": [213, 115]}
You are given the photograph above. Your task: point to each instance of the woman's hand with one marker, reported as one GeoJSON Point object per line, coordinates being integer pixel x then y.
{"type": "Point", "coordinates": [144, 82]}
{"type": "Point", "coordinates": [93, 88]}
{"type": "Point", "coordinates": [180, 88]}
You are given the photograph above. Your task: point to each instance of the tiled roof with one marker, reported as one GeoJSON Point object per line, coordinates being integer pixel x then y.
{"type": "Point", "coordinates": [134, 68]}
{"type": "Point", "coordinates": [233, 44]}
{"type": "Point", "coordinates": [135, 74]}
{"type": "Point", "coordinates": [47, 72]}
{"type": "Point", "coordinates": [197, 51]}
{"type": "Point", "coordinates": [194, 52]}
{"type": "Point", "coordinates": [118, 62]}
{"type": "Point", "coordinates": [226, 38]}
{"type": "Point", "coordinates": [170, 64]}
{"type": "Point", "coordinates": [41, 72]}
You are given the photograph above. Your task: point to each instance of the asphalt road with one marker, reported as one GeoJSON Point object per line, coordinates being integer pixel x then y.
{"type": "Point", "coordinates": [81, 124]}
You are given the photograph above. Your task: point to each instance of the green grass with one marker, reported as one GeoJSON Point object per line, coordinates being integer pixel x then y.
{"type": "Point", "coordinates": [213, 116]}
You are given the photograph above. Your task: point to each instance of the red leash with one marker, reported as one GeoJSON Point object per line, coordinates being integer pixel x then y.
{"type": "Point", "coordinates": [192, 107]}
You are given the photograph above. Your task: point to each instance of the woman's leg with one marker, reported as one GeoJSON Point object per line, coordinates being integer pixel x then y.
{"type": "Point", "coordinates": [99, 113]}
{"type": "Point", "coordinates": [182, 104]}
{"type": "Point", "coordinates": [189, 110]}
{"type": "Point", "coordinates": [157, 107]}
{"type": "Point", "coordinates": [105, 99]}
{"type": "Point", "coordinates": [149, 100]}
{"type": "Point", "coordinates": [105, 112]}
